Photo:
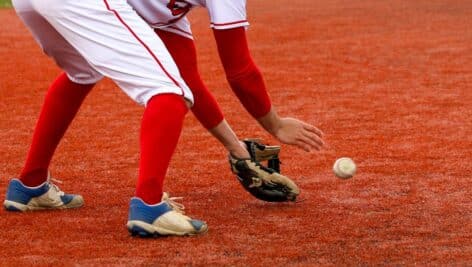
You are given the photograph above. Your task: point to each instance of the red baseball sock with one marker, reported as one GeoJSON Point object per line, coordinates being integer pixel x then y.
{"type": "Point", "coordinates": [241, 71]}
{"type": "Point", "coordinates": [183, 51]}
{"type": "Point", "coordinates": [160, 131]}
{"type": "Point", "coordinates": [60, 106]}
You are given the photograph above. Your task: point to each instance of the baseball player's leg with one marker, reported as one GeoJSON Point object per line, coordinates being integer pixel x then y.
{"type": "Point", "coordinates": [63, 98]}
{"type": "Point", "coordinates": [118, 44]}
{"type": "Point", "coordinates": [55, 46]}
{"type": "Point", "coordinates": [60, 106]}
{"type": "Point", "coordinates": [160, 130]}
{"type": "Point", "coordinates": [34, 189]}
{"type": "Point", "coordinates": [152, 212]}
{"type": "Point", "coordinates": [112, 37]}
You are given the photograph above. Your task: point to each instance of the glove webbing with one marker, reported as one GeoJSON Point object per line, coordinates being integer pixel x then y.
{"type": "Point", "coordinates": [260, 152]}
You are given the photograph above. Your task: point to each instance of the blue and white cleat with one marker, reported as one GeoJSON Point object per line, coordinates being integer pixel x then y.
{"type": "Point", "coordinates": [164, 218]}
{"type": "Point", "coordinates": [42, 197]}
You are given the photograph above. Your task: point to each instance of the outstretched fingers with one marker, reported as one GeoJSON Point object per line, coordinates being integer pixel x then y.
{"type": "Point", "coordinates": [312, 136]}
{"type": "Point", "coordinates": [315, 139]}
{"type": "Point", "coordinates": [313, 129]}
{"type": "Point", "coordinates": [303, 145]}
{"type": "Point", "coordinates": [309, 143]}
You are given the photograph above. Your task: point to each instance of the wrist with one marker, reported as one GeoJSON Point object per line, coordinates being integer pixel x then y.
{"type": "Point", "coordinates": [239, 151]}
{"type": "Point", "coordinates": [271, 122]}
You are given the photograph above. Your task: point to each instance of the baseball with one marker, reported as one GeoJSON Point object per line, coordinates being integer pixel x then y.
{"type": "Point", "coordinates": [344, 168]}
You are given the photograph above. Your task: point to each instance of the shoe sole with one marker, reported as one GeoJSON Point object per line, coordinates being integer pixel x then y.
{"type": "Point", "coordinates": [15, 206]}
{"type": "Point", "coordinates": [142, 229]}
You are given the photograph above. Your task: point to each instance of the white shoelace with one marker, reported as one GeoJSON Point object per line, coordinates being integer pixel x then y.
{"type": "Point", "coordinates": [55, 187]}
{"type": "Point", "coordinates": [178, 207]}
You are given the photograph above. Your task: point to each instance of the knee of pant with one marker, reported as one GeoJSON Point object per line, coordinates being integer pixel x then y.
{"type": "Point", "coordinates": [84, 77]}
{"type": "Point", "coordinates": [78, 71]}
{"type": "Point", "coordinates": [71, 62]}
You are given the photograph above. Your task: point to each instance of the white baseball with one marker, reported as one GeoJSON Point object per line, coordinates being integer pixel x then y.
{"type": "Point", "coordinates": [344, 168]}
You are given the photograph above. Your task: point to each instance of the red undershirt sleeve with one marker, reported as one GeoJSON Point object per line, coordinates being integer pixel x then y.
{"type": "Point", "coordinates": [243, 75]}
{"type": "Point", "coordinates": [184, 53]}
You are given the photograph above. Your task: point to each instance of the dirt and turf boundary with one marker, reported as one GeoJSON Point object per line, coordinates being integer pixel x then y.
{"type": "Point", "coordinates": [5, 3]}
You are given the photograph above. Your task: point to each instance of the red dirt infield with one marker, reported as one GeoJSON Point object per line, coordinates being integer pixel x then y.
{"type": "Point", "coordinates": [389, 83]}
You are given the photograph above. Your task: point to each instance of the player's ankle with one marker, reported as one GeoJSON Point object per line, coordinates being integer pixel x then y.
{"type": "Point", "coordinates": [33, 178]}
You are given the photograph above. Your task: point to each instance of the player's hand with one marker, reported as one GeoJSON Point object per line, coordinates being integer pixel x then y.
{"type": "Point", "coordinates": [303, 135]}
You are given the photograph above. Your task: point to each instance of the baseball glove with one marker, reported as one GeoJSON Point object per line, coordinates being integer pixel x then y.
{"type": "Point", "coordinates": [263, 182]}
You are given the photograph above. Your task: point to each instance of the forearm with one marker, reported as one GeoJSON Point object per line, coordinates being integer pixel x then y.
{"type": "Point", "coordinates": [250, 89]}
{"type": "Point", "coordinates": [229, 140]}
{"type": "Point", "coordinates": [245, 78]}
{"type": "Point", "coordinates": [243, 75]}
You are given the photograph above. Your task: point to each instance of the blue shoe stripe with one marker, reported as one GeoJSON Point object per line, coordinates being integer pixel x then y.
{"type": "Point", "coordinates": [17, 192]}
{"type": "Point", "coordinates": [140, 211]}
{"type": "Point", "coordinates": [66, 198]}
{"type": "Point", "coordinates": [197, 224]}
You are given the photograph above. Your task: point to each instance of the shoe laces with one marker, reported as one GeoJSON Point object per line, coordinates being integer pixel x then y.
{"type": "Point", "coordinates": [172, 201]}
{"type": "Point", "coordinates": [54, 186]}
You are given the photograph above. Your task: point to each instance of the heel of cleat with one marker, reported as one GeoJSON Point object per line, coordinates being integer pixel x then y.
{"type": "Point", "coordinates": [13, 206]}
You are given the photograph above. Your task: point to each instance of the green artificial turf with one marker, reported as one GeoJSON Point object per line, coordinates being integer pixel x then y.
{"type": "Point", "coordinates": [5, 3]}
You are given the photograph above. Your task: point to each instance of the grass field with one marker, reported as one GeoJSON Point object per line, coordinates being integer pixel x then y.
{"type": "Point", "coordinates": [5, 3]}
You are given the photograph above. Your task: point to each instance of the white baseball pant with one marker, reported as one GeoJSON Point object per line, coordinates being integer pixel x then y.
{"type": "Point", "coordinates": [90, 39]}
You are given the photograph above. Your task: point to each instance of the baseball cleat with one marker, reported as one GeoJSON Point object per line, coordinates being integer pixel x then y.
{"type": "Point", "coordinates": [164, 218]}
{"type": "Point", "coordinates": [42, 197]}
